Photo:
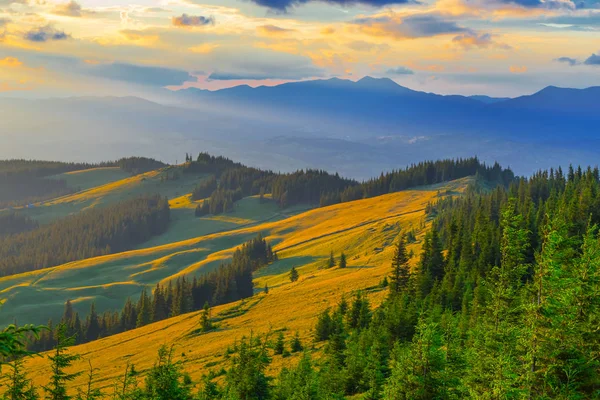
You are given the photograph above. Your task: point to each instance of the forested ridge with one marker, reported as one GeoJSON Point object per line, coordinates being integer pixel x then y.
{"type": "Point", "coordinates": [95, 232]}
{"type": "Point", "coordinates": [233, 181]}
{"type": "Point", "coordinates": [26, 181]}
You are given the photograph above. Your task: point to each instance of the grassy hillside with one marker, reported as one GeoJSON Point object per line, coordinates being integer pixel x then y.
{"type": "Point", "coordinates": [100, 187]}
{"type": "Point", "coordinates": [365, 230]}
{"type": "Point", "coordinates": [89, 178]}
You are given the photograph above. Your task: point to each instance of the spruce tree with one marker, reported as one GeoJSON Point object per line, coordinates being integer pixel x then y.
{"type": "Point", "coordinates": [343, 263]}
{"type": "Point", "coordinates": [294, 274]}
{"type": "Point", "coordinates": [279, 346]}
{"type": "Point", "coordinates": [18, 386]}
{"type": "Point", "coordinates": [60, 360]}
{"type": "Point", "coordinates": [205, 322]}
{"type": "Point", "coordinates": [144, 313]}
{"type": "Point", "coordinates": [331, 260]}
{"type": "Point", "coordinates": [400, 268]}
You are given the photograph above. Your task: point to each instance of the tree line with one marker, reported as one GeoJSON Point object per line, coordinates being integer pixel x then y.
{"type": "Point", "coordinates": [28, 181]}
{"type": "Point", "coordinates": [95, 232]}
{"type": "Point", "coordinates": [233, 181]}
{"type": "Point", "coordinates": [228, 283]}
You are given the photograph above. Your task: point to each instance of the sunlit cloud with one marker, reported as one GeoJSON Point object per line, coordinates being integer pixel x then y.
{"type": "Point", "coordinates": [70, 9]}
{"type": "Point", "coordinates": [204, 48]}
{"type": "Point", "coordinates": [516, 69]}
{"type": "Point", "coordinates": [472, 40]}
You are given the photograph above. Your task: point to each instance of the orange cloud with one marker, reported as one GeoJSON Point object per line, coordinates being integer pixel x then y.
{"type": "Point", "coordinates": [515, 69]}
{"type": "Point", "coordinates": [11, 62]}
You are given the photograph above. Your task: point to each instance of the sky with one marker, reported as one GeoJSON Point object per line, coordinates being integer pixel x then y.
{"type": "Point", "coordinates": [110, 47]}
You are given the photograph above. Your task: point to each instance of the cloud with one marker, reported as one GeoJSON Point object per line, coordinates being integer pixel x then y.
{"type": "Point", "coordinates": [70, 9]}
{"type": "Point", "coordinates": [287, 68]}
{"type": "Point", "coordinates": [45, 33]}
{"type": "Point", "coordinates": [192, 20]}
{"type": "Point", "coordinates": [140, 75]}
{"type": "Point", "coordinates": [283, 5]}
{"type": "Point", "coordinates": [400, 71]}
{"type": "Point", "coordinates": [470, 40]}
{"type": "Point", "coordinates": [11, 62]}
{"type": "Point", "coordinates": [4, 22]}
{"type": "Point", "coordinates": [567, 60]}
{"type": "Point", "coordinates": [155, 10]}
{"type": "Point", "coordinates": [361, 45]}
{"type": "Point", "coordinates": [203, 48]}
{"type": "Point", "coordinates": [516, 69]}
{"type": "Point", "coordinates": [408, 27]}
{"type": "Point", "coordinates": [9, 2]}
{"type": "Point", "coordinates": [594, 59]}
{"type": "Point", "coordinates": [272, 30]}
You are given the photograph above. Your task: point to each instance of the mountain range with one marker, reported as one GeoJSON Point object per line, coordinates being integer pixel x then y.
{"type": "Point", "coordinates": [355, 128]}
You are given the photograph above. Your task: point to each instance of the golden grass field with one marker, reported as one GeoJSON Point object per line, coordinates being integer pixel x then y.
{"type": "Point", "coordinates": [365, 230]}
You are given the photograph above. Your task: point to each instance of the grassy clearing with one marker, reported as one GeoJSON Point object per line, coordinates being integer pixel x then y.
{"type": "Point", "coordinates": [89, 178]}
{"type": "Point", "coordinates": [132, 186]}
{"type": "Point", "coordinates": [365, 230]}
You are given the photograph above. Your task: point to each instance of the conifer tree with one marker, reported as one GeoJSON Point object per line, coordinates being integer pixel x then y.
{"type": "Point", "coordinates": [331, 260]}
{"type": "Point", "coordinates": [166, 380]}
{"type": "Point", "coordinates": [400, 268]}
{"type": "Point", "coordinates": [294, 274]}
{"type": "Point", "coordinates": [279, 346]}
{"type": "Point", "coordinates": [60, 360]}
{"type": "Point", "coordinates": [18, 386]}
{"type": "Point", "coordinates": [343, 263]}
{"type": "Point", "coordinates": [205, 322]}
{"type": "Point", "coordinates": [89, 393]}
{"type": "Point", "coordinates": [144, 313]}
{"type": "Point", "coordinates": [296, 344]}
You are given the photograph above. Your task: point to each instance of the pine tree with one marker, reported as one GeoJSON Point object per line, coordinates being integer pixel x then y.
{"type": "Point", "coordinates": [166, 380]}
{"type": "Point", "coordinates": [279, 346]}
{"type": "Point", "coordinates": [331, 261]}
{"type": "Point", "coordinates": [400, 268]}
{"type": "Point", "coordinates": [296, 344]}
{"type": "Point", "coordinates": [342, 263]}
{"type": "Point", "coordinates": [89, 393]}
{"type": "Point", "coordinates": [18, 386]}
{"type": "Point", "coordinates": [323, 327]}
{"type": "Point", "coordinates": [144, 315]}
{"type": "Point", "coordinates": [205, 322]}
{"type": "Point", "coordinates": [60, 360]}
{"type": "Point", "coordinates": [294, 274]}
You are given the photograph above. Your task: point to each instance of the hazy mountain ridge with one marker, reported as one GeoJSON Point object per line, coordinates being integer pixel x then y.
{"type": "Point", "coordinates": [355, 128]}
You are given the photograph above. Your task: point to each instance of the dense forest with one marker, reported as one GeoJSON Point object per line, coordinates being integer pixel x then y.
{"type": "Point", "coordinates": [95, 232]}
{"type": "Point", "coordinates": [229, 282]}
{"type": "Point", "coordinates": [12, 223]}
{"type": "Point", "coordinates": [28, 181]}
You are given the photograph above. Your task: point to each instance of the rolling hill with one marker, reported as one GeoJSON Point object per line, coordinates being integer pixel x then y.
{"type": "Point", "coordinates": [364, 229]}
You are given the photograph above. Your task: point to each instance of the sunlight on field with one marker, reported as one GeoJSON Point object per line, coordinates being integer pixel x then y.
{"type": "Point", "coordinates": [365, 230]}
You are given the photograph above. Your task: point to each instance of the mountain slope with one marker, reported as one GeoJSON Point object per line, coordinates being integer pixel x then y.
{"type": "Point", "coordinates": [365, 230]}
